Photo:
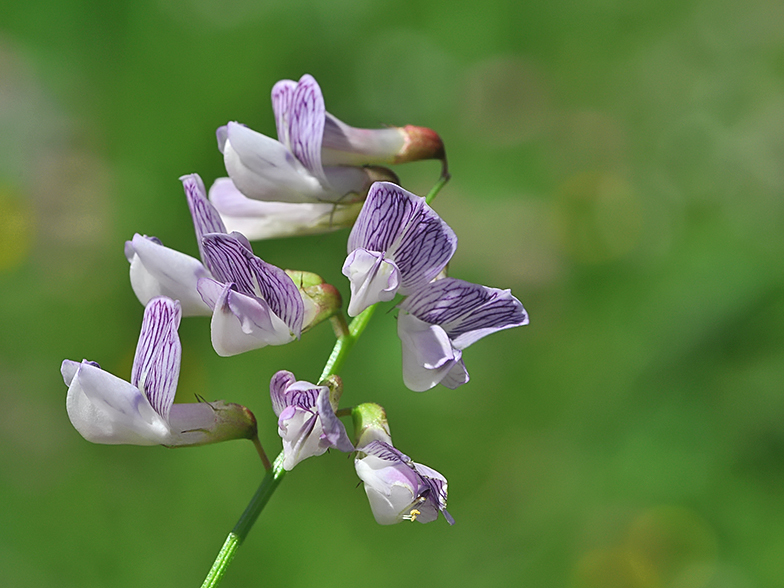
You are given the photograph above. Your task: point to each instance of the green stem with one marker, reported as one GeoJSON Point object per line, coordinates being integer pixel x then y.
{"type": "Point", "coordinates": [240, 531]}
{"type": "Point", "coordinates": [345, 342]}
{"type": "Point", "coordinates": [437, 188]}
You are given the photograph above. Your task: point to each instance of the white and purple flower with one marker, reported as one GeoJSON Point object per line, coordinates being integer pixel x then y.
{"type": "Point", "coordinates": [439, 321]}
{"type": "Point", "coordinates": [399, 489]}
{"type": "Point", "coordinates": [397, 245]}
{"type": "Point", "coordinates": [291, 169]}
{"type": "Point", "coordinates": [159, 271]}
{"type": "Point", "coordinates": [253, 303]}
{"type": "Point", "coordinates": [106, 409]}
{"type": "Point", "coordinates": [306, 418]}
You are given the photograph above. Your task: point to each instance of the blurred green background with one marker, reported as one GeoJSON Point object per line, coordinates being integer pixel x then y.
{"type": "Point", "coordinates": [619, 165]}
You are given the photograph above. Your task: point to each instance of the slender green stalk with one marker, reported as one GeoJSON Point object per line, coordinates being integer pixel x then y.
{"type": "Point", "coordinates": [345, 342]}
{"type": "Point", "coordinates": [437, 188]}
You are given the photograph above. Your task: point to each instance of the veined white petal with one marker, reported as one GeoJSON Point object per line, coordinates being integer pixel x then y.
{"type": "Point", "coordinates": [106, 409]}
{"type": "Point", "coordinates": [347, 145]}
{"type": "Point", "coordinates": [373, 279]}
{"type": "Point", "coordinates": [159, 271]}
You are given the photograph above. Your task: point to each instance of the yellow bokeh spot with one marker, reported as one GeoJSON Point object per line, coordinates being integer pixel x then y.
{"type": "Point", "coordinates": [16, 229]}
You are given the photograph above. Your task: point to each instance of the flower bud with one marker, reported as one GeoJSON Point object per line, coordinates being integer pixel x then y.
{"type": "Point", "coordinates": [321, 300]}
{"type": "Point", "coordinates": [370, 424]}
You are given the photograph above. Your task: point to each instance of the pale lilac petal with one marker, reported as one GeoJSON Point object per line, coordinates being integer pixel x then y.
{"type": "Point", "coordinates": [428, 355]}
{"type": "Point", "coordinates": [306, 125]}
{"type": "Point", "coordinates": [278, 385]}
{"type": "Point", "coordinates": [233, 262]}
{"type": "Point", "coordinates": [257, 219]}
{"type": "Point", "coordinates": [105, 409]}
{"type": "Point", "coordinates": [466, 311]}
{"type": "Point", "coordinates": [159, 271]}
{"type": "Point", "coordinates": [156, 365]}
{"type": "Point", "coordinates": [222, 134]}
{"type": "Point", "coordinates": [373, 279]}
{"type": "Point", "coordinates": [282, 93]}
{"type": "Point", "coordinates": [334, 432]}
{"type": "Point", "coordinates": [457, 374]}
{"type": "Point", "coordinates": [205, 218]}
{"type": "Point", "coordinates": [241, 323]}
{"type": "Point", "coordinates": [264, 169]}
{"type": "Point", "coordinates": [346, 145]}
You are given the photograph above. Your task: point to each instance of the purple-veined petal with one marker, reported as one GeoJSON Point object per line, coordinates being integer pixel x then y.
{"type": "Point", "coordinates": [282, 93]}
{"type": "Point", "coordinates": [387, 210]}
{"type": "Point", "coordinates": [436, 497]}
{"type": "Point", "coordinates": [334, 432]}
{"type": "Point", "coordinates": [241, 323]}
{"type": "Point", "coordinates": [373, 279]}
{"type": "Point", "coordinates": [257, 219]}
{"type": "Point", "coordinates": [466, 311]}
{"type": "Point", "coordinates": [233, 262]}
{"type": "Point", "coordinates": [156, 365]}
{"type": "Point", "coordinates": [457, 374]}
{"type": "Point", "coordinates": [205, 218]}
{"type": "Point", "coordinates": [306, 125]}
{"type": "Point", "coordinates": [428, 355]}
{"type": "Point", "coordinates": [264, 169]}
{"type": "Point", "coordinates": [159, 271]}
{"type": "Point", "coordinates": [279, 384]}
{"type": "Point", "coordinates": [105, 409]}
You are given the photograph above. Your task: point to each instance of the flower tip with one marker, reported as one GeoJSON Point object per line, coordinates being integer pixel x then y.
{"type": "Point", "coordinates": [376, 173]}
{"type": "Point", "coordinates": [421, 143]}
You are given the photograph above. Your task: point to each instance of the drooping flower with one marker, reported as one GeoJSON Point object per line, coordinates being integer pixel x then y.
{"type": "Point", "coordinates": [254, 303]}
{"type": "Point", "coordinates": [316, 158]}
{"type": "Point", "coordinates": [397, 488]}
{"type": "Point", "coordinates": [439, 321]}
{"type": "Point", "coordinates": [106, 409]}
{"type": "Point", "coordinates": [159, 271]}
{"type": "Point", "coordinates": [397, 245]}
{"type": "Point", "coordinates": [258, 219]}
{"type": "Point", "coordinates": [306, 417]}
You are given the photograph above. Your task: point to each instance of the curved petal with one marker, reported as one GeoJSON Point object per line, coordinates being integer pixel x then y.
{"type": "Point", "coordinates": [282, 93]}
{"type": "Point", "coordinates": [466, 311]}
{"type": "Point", "coordinates": [305, 119]}
{"type": "Point", "coordinates": [241, 323]}
{"type": "Point", "coordinates": [428, 355]}
{"type": "Point", "coordinates": [279, 384]}
{"type": "Point", "coordinates": [105, 409]}
{"type": "Point", "coordinates": [346, 145]}
{"type": "Point", "coordinates": [373, 279]}
{"type": "Point", "coordinates": [205, 218]}
{"type": "Point", "coordinates": [264, 169]}
{"type": "Point", "coordinates": [159, 271]}
{"type": "Point", "coordinates": [156, 365]}
{"type": "Point", "coordinates": [233, 262]}
{"type": "Point", "coordinates": [257, 219]}
{"type": "Point", "coordinates": [387, 210]}
{"type": "Point", "coordinates": [334, 432]}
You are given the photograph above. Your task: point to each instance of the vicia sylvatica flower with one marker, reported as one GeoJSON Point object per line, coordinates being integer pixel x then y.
{"type": "Point", "coordinates": [397, 245]}
{"type": "Point", "coordinates": [439, 321]}
{"type": "Point", "coordinates": [306, 417]}
{"type": "Point", "coordinates": [316, 158]}
{"type": "Point", "coordinates": [159, 271]}
{"type": "Point", "coordinates": [254, 303]}
{"type": "Point", "coordinates": [106, 409]}
{"type": "Point", "coordinates": [258, 219]}
{"type": "Point", "coordinates": [397, 488]}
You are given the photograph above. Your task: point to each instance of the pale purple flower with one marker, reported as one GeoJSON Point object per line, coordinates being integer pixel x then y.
{"type": "Point", "coordinates": [291, 169]}
{"type": "Point", "coordinates": [106, 409]}
{"type": "Point", "coordinates": [258, 219]}
{"type": "Point", "coordinates": [397, 245]}
{"type": "Point", "coordinates": [439, 321]}
{"type": "Point", "coordinates": [159, 271]}
{"type": "Point", "coordinates": [306, 418]}
{"type": "Point", "coordinates": [399, 489]}
{"type": "Point", "coordinates": [254, 303]}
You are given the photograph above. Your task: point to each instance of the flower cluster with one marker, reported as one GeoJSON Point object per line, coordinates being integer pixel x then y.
{"type": "Point", "coordinates": [319, 175]}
